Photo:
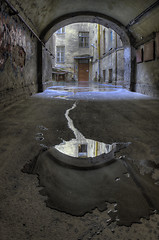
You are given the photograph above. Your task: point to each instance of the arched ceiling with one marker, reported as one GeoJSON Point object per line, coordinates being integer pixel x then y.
{"type": "Point", "coordinates": [39, 14]}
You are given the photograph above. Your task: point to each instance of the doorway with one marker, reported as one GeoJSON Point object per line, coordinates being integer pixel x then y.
{"type": "Point", "coordinates": [83, 70]}
{"type": "Point", "coordinates": [104, 77]}
{"type": "Point", "coordinates": [110, 75]}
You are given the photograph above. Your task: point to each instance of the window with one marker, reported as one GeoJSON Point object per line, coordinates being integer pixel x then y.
{"type": "Point", "coordinates": [60, 54]}
{"type": "Point", "coordinates": [110, 75]}
{"type": "Point", "coordinates": [82, 150]}
{"type": "Point", "coordinates": [84, 39]}
{"type": "Point", "coordinates": [61, 30]}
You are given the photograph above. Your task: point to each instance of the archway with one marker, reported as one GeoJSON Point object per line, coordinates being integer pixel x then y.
{"type": "Point", "coordinates": [93, 17]}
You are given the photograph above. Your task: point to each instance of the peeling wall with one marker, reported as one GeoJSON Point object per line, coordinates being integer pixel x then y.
{"type": "Point", "coordinates": [18, 66]}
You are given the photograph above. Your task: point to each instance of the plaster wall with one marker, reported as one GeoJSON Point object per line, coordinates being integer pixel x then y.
{"type": "Point", "coordinates": [114, 61]}
{"type": "Point", "coordinates": [111, 56]}
{"type": "Point", "coordinates": [147, 70]}
{"type": "Point", "coordinates": [147, 78]}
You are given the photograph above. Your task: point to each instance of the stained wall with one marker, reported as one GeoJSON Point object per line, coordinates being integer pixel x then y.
{"type": "Point", "coordinates": [18, 64]}
{"type": "Point", "coordinates": [147, 70]}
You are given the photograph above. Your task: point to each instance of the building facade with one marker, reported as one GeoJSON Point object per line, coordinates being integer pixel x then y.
{"type": "Point", "coordinates": [88, 52]}
{"type": "Point", "coordinates": [108, 56]}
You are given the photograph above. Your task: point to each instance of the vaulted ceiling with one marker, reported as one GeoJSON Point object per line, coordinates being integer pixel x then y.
{"type": "Point", "coordinates": [140, 17]}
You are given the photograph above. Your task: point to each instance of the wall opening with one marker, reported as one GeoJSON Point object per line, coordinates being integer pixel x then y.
{"type": "Point", "coordinates": [82, 49]}
{"type": "Point", "coordinates": [103, 22]}
{"type": "Point", "coordinates": [110, 75]}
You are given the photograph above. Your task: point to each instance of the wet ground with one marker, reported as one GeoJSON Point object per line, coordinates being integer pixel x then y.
{"type": "Point", "coordinates": [88, 91]}
{"type": "Point", "coordinates": [103, 202]}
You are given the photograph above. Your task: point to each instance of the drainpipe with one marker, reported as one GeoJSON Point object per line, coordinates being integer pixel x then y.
{"type": "Point", "coordinates": [116, 60]}
{"type": "Point", "coordinates": [98, 48]}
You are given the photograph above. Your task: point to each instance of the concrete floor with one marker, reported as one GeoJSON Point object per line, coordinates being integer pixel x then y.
{"type": "Point", "coordinates": [30, 126]}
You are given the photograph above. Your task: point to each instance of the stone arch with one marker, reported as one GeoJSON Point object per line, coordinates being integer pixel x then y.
{"type": "Point", "coordinates": [94, 17]}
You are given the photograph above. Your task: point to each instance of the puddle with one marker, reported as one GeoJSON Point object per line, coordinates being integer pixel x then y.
{"type": "Point", "coordinates": [81, 90]}
{"type": "Point", "coordinates": [42, 128]}
{"type": "Point", "coordinates": [127, 174]}
{"type": "Point", "coordinates": [39, 138]}
{"type": "Point", "coordinates": [76, 181]}
{"type": "Point", "coordinates": [61, 97]}
{"type": "Point", "coordinates": [81, 147]}
{"type": "Point", "coordinates": [91, 88]}
{"type": "Point", "coordinates": [117, 179]}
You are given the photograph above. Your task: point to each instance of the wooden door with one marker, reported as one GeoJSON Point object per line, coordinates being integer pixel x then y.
{"type": "Point", "coordinates": [83, 71]}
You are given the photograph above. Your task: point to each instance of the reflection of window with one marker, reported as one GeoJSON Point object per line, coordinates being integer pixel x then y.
{"type": "Point", "coordinates": [84, 39]}
{"type": "Point", "coordinates": [111, 35]}
{"type": "Point", "coordinates": [60, 54]}
{"type": "Point", "coordinates": [82, 150]}
{"type": "Point", "coordinates": [61, 30]}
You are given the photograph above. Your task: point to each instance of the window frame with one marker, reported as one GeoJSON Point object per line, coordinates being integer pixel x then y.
{"type": "Point", "coordinates": [61, 51]}
{"type": "Point", "coordinates": [83, 38]}
{"type": "Point", "coordinates": [61, 31]}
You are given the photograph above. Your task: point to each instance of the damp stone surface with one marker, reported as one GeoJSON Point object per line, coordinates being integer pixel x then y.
{"type": "Point", "coordinates": [128, 117]}
{"type": "Point", "coordinates": [82, 174]}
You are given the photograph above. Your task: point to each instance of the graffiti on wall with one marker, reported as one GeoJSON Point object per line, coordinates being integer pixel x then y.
{"type": "Point", "coordinates": [12, 43]}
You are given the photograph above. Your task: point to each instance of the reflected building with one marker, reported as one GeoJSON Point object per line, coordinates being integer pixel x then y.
{"type": "Point", "coordinates": [83, 148]}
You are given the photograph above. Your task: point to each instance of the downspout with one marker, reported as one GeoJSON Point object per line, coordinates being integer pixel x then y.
{"type": "Point", "coordinates": [98, 46]}
{"type": "Point", "coordinates": [116, 60]}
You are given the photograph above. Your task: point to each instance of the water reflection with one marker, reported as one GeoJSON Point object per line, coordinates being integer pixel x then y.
{"type": "Point", "coordinates": [83, 88]}
{"type": "Point", "coordinates": [80, 146]}
{"type": "Point", "coordinates": [84, 148]}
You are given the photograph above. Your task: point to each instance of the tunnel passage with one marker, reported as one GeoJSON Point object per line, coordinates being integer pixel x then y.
{"type": "Point", "coordinates": [135, 120]}
{"type": "Point", "coordinates": [136, 23]}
